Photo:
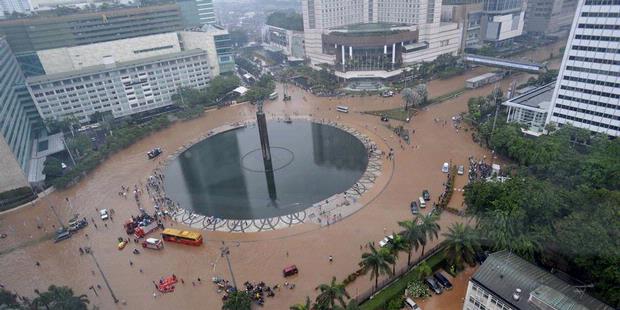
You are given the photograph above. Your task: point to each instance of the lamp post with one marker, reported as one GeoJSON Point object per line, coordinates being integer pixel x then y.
{"type": "Point", "coordinates": [225, 252]}
{"type": "Point", "coordinates": [105, 280]}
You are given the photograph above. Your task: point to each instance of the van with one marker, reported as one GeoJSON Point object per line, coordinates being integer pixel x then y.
{"type": "Point", "coordinates": [290, 270]}
{"type": "Point", "coordinates": [273, 96]}
{"type": "Point", "coordinates": [422, 202]}
{"type": "Point", "coordinates": [411, 304]}
{"type": "Point", "coordinates": [153, 243]}
{"type": "Point", "coordinates": [343, 109]}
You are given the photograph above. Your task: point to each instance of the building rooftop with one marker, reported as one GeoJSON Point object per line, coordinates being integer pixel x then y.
{"type": "Point", "coordinates": [503, 272]}
{"type": "Point", "coordinates": [115, 66]}
{"type": "Point", "coordinates": [539, 97]}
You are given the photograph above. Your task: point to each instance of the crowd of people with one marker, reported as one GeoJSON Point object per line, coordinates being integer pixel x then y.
{"type": "Point", "coordinates": [479, 169]}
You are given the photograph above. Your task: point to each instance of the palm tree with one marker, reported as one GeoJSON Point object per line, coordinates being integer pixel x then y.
{"type": "Point", "coordinates": [330, 293]}
{"type": "Point", "coordinates": [377, 262]}
{"type": "Point", "coordinates": [461, 244]}
{"type": "Point", "coordinates": [430, 228]}
{"type": "Point", "coordinates": [411, 233]}
{"type": "Point", "coordinates": [305, 306]}
{"type": "Point", "coordinates": [396, 245]}
{"type": "Point", "coordinates": [61, 297]}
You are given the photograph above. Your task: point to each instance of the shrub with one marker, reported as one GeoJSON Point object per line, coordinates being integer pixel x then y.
{"type": "Point", "coordinates": [417, 289]}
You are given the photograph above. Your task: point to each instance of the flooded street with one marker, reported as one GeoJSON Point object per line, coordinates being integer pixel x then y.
{"type": "Point", "coordinates": [254, 256]}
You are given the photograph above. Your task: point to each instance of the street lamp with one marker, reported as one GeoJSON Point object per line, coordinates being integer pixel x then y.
{"type": "Point", "coordinates": [225, 252]}
{"type": "Point", "coordinates": [105, 280]}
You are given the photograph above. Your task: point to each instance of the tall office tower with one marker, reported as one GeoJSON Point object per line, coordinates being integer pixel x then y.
{"type": "Point", "coordinates": [14, 6]}
{"type": "Point", "coordinates": [550, 17]}
{"type": "Point", "coordinates": [18, 122]}
{"type": "Point", "coordinates": [502, 20]}
{"type": "Point", "coordinates": [206, 13]}
{"type": "Point", "coordinates": [587, 93]}
{"type": "Point", "coordinates": [375, 38]}
{"type": "Point", "coordinates": [26, 36]}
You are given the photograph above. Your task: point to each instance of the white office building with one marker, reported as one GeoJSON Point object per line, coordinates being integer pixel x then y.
{"type": "Point", "coordinates": [14, 6]}
{"type": "Point", "coordinates": [376, 38]}
{"type": "Point", "coordinates": [587, 93]}
{"type": "Point", "coordinates": [119, 88]}
{"type": "Point", "coordinates": [507, 282]}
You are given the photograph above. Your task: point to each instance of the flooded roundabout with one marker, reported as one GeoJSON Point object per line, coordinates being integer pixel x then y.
{"type": "Point", "coordinates": [220, 182]}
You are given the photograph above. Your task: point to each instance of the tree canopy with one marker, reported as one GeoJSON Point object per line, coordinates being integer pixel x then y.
{"type": "Point", "coordinates": [560, 208]}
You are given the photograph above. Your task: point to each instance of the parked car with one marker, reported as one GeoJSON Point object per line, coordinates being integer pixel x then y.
{"type": "Point", "coordinates": [122, 245]}
{"type": "Point", "coordinates": [75, 225]}
{"type": "Point", "coordinates": [154, 153]}
{"type": "Point", "coordinates": [387, 93]}
{"type": "Point", "coordinates": [433, 285]}
{"type": "Point", "coordinates": [386, 240]}
{"type": "Point", "coordinates": [62, 234]}
{"type": "Point", "coordinates": [414, 208]}
{"type": "Point", "coordinates": [104, 214]}
{"type": "Point", "coordinates": [411, 304]}
{"type": "Point", "coordinates": [445, 168]}
{"type": "Point", "coordinates": [426, 195]}
{"type": "Point", "coordinates": [443, 280]}
{"type": "Point", "coordinates": [460, 170]}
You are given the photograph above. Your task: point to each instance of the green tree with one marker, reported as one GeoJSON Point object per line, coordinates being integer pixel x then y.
{"type": "Point", "coordinates": [461, 244]}
{"type": "Point", "coordinates": [396, 245]}
{"type": "Point", "coordinates": [307, 305]}
{"type": "Point", "coordinates": [52, 167]}
{"type": "Point", "coordinates": [409, 97]}
{"type": "Point", "coordinates": [430, 228]}
{"type": "Point", "coordinates": [239, 300]}
{"type": "Point", "coordinates": [330, 293]}
{"type": "Point", "coordinates": [377, 262]}
{"type": "Point", "coordinates": [422, 94]}
{"type": "Point", "coordinates": [60, 298]}
{"type": "Point", "coordinates": [411, 233]}
{"type": "Point", "coordinates": [424, 270]}
{"type": "Point", "coordinates": [8, 300]}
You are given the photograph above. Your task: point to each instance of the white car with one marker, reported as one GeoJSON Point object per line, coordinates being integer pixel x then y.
{"type": "Point", "coordinates": [461, 170]}
{"type": "Point", "coordinates": [386, 240]}
{"type": "Point", "coordinates": [104, 214]}
{"type": "Point", "coordinates": [445, 168]}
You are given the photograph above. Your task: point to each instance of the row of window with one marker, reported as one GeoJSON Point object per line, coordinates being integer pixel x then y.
{"type": "Point", "coordinates": [600, 14]}
{"type": "Point", "coordinates": [594, 71]}
{"type": "Point", "coordinates": [598, 26]}
{"type": "Point", "coordinates": [597, 38]}
{"type": "Point", "coordinates": [595, 113]}
{"type": "Point", "coordinates": [596, 49]}
{"type": "Point", "coordinates": [591, 81]}
{"type": "Point", "coordinates": [595, 60]}
{"type": "Point", "coordinates": [586, 121]}
{"type": "Point", "coordinates": [591, 92]}
{"type": "Point", "coordinates": [591, 102]}
{"type": "Point", "coordinates": [602, 2]}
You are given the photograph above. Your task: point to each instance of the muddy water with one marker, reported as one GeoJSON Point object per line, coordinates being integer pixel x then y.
{"type": "Point", "coordinates": [254, 257]}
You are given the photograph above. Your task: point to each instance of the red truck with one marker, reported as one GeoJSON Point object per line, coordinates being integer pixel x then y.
{"type": "Point", "coordinates": [142, 231]}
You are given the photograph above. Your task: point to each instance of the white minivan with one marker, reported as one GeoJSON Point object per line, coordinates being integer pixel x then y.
{"type": "Point", "coordinates": [422, 202]}
{"type": "Point", "coordinates": [411, 304]}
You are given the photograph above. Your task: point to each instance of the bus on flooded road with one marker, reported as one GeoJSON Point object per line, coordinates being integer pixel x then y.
{"type": "Point", "coordinates": [182, 236]}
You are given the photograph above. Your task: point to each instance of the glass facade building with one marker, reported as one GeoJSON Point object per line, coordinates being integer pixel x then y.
{"type": "Point", "coordinates": [19, 119]}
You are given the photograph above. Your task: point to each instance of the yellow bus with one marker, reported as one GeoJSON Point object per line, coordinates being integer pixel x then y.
{"type": "Point", "coordinates": [182, 236]}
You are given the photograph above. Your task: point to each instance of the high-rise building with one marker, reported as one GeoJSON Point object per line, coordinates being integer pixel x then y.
{"type": "Point", "coordinates": [550, 17]}
{"type": "Point", "coordinates": [375, 38]}
{"type": "Point", "coordinates": [26, 36]}
{"type": "Point", "coordinates": [502, 21]}
{"type": "Point", "coordinates": [14, 6]}
{"type": "Point", "coordinates": [119, 88]}
{"type": "Point", "coordinates": [19, 121]}
{"type": "Point", "coordinates": [587, 93]}
{"type": "Point", "coordinates": [206, 13]}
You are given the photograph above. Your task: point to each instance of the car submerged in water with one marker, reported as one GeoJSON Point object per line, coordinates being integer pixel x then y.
{"type": "Point", "coordinates": [154, 153]}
